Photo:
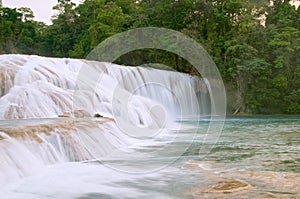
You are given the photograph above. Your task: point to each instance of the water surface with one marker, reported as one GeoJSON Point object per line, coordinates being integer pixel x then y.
{"type": "Point", "coordinates": [254, 157]}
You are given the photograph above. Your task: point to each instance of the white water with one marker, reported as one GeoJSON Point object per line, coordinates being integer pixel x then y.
{"type": "Point", "coordinates": [38, 87]}
{"type": "Point", "coordinates": [81, 156]}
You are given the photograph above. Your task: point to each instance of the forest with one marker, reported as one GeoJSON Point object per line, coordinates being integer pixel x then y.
{"type": "Point", "coordinates": [254, 43]}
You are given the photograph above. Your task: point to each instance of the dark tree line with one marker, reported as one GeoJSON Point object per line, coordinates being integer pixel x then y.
{"type": "Point", "coordinates": [255, 44]}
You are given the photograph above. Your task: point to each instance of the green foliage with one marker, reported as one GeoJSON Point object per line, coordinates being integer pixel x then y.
{"type": "Point", "coordinates": [258, 59]}
{"type": "Point", "coordinates": [280, 81]}
{"type": "Point", "coordinates": [18, 32]}
{"type": "Point", "coordinates": [293, 102]}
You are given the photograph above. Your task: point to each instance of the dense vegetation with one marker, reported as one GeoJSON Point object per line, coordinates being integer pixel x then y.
{"type": "Point", "coordinates": [255, 44]}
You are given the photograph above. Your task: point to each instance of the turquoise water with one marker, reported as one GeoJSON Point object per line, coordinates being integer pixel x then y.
{"type": "Point", "coordinates": [261, 143]}
{"type": "Point", "coordinates": [263, 152]}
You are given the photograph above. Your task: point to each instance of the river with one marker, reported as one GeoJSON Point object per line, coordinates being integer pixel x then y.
{"type": "Point", "coordinates": [254, 157]}
{"type": "Point", "coordinates": [78, 129]}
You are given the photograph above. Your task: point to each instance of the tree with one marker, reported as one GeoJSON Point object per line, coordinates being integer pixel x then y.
{"type": "Point", "coordinates": [60, 37]}
{"type": "Point", "coordinates": [106, 19]}
{"type": "Point", "coordinates": [283, 48]}
{"type": "Point", "coordinates": [18, 31]}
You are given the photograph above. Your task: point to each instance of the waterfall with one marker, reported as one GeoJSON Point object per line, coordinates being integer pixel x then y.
{"type": "Point", "coordinates": [39, 87]}
{"type": "Point", "coordinates": [30, 146]}
{"type": "Point", "coordinates": [35, 91]}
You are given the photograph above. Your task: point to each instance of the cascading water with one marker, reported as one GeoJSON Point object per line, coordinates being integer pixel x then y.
{"type": "Point", "coordinates": [35, 87]}
{"type": "Point", "coordinates": [35, 91]}
{"type": "Point", "coordinates": [54, 142]}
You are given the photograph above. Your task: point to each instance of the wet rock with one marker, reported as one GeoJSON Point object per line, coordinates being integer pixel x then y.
{"type": "Point", "coordinates": [229, 186]}
{"type": "Point", "coordinates": [97, 115]}
{"type": "Point", "coordinates": [81, 113]}
{"type": "Point", "coordinates": [65, 114]}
